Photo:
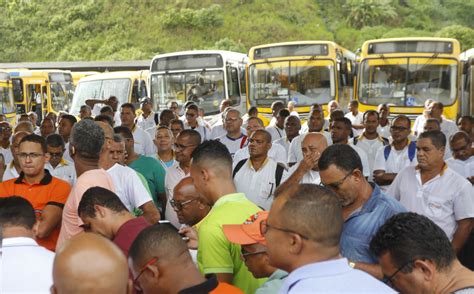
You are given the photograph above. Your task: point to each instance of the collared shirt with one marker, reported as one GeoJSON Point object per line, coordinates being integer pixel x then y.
{"type": "Point", "coordinates": [71, 222]}
{"type": "Point", "coordinates": [311, 177]}
{"type": "Point", "coordinates": [274, 283]}
{"type": "Point", "coordinates": [212, 286]}
{"type": "Point", "coordinates": [66, 154]}
{"type": "Point", "coordinates": [385, 130]}
{"type": "Point", "coordinates": [173, 176]}
{"type": "Point", "coordinates": [64, 170]}
{"type": "Point", "coordinates": [7, 154]}
{"type": "Point", "coordinates": [219, 131]}
{"type": "Point", "coordinates": [25, 267]}
{"type": "Point", "coordinates": [203, 130]}
{"type": "Point", "coordinates": [257, 185]}
{"type": "Point", "coordinates": [153, 172]}
{"type": "Point", "coordinates": [276, 152]}
{"type": "Point", "coordinates": [295, 154]}
{"type": "Point", "coordinates": [357, 119]}
{"type": "Point", "coordinates": [332, 276]}
{"type": "Point", "coordinates": [146, 122]}
{"type": "Point", "coordinates": [419, 124]}
{"type": "Point", "coordinates": [465, 168]}
{"type": "Point", "coordinates": [276, 132]}
{"type": "Point", "coordinates": [10, 172]}
{"type": "Point", "coordinates": [449, 128]}
{"type": "Point", "coordinates": [362, 225]}
{"type": "Point", "coordinates": [363, 157]}
{"type": "Point", "coordinates": [283, 142]}
{"type": "Point", "coordinates": [370, 146]}
{"type": "Point", "coordinates": [166, 165]}
{"type": "Point", "coordinates": [233, 145]}
{"type": "Point", "coordinates": [445, 199]}
{"type": "Point", "coordinates": [143, 143]}
{"type": "Point", "coordinates": [215, 253]}
{"type": "Point", "coordinates": [49, 191]}
{"type": "Point", "coordinates": [128, 232]}
{"type": "Point", "coordinates": [128, 187]}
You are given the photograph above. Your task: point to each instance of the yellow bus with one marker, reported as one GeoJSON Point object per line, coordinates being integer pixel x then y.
{"type": "Point", "coordinates": [6, 97]}
{"type": "Point", "coordinates": [42, 91]}
{"type": "Point", "coordinates": [77, 75]}
{"type": "Point", "coordinates": [127, 86]}
{"type": "Point", "coordinates": [405, 72]}
{"type": "Point", "coordinates": [305, 72]}
{"type": "Point", "coordinates": [467, 89]}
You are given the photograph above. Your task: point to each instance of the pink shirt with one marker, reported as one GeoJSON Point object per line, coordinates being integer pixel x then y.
{"type": "Point", "coordinates": [71, 222]}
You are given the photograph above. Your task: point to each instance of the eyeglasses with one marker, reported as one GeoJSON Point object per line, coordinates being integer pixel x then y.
{"type": "Point", "coordinates": [264, 226]}
{"type": "Point", "coordinates": [399, 129]}
{"type": "Point", "coordinates": [179, 146]}
{"type": "Point", "coordinates": [178, 205]}
{"type": "Point", "coordinates": [388, 279]}
{"type": "Point", "coordinates": [244, 254]}
{"type": "Point", "coordinates": [335, 186]}
{"type": "Point", "coordinates": [135, 281]}
{"type": "Point", "coordinates": [33, 155]}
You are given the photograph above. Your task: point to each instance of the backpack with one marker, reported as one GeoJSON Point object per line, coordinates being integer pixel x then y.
{"type": "Point", "coordinates": [157, 118]}
{"type": "Point", "coordinates": [411, 151]}
{"type": "Point", "coordinates": [278, 172]}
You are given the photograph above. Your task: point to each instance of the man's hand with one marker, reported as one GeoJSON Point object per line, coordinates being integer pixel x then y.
{"type": "Point", "coordinates": [309, 161]}
{"type": "Point", "coordinates": [191, 235]}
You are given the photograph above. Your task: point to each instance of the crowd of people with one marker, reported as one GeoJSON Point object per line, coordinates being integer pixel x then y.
{"type": "Point", "coordinates": [167, 202]}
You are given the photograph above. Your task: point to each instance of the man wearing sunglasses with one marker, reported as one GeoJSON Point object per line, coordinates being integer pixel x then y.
{"type": "Point", "coordinates": [417, 257]}
{"type": "Point", "coordinates": [254, 252]}
{"type": "Point", "coordinates": [302, 233]}
{"type": "Point", "coordinates": [364, 206]}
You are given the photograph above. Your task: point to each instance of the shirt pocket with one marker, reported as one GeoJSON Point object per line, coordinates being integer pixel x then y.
{"type": "Point", "coordinates": [435, 207]}
{"type": "Point", "coordinates": [267, 189]}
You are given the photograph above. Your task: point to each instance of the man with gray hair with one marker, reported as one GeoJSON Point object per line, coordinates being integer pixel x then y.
{"type": "Point", "coordinates": [234, 139]}
{"type": "Point", "coordinates": [86, 143]}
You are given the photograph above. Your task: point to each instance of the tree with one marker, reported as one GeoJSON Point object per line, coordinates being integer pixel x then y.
{"type": "Point", "coordinates": [463, 34]}
{"type": "Point", "coordinates": [361, 13]}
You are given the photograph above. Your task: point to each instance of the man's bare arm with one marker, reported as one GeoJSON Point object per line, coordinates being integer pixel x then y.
{"type": "Point", "coordinates": [462, 233]}
{"type": "Point", "coordinates": [49, 220]}
{"type": "Point", "coordinates": [150, 212]}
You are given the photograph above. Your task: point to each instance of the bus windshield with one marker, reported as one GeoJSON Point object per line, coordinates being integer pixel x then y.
{"type": "Point", "coordinates": [100, 89]}
{"type": "Point", "coordinates": [407, 81]}
{"type": "Point", "coordinates": [61, 95]}
{"type": "Point", "coordinates": [304, 82]}
{"type": "Point", "coordinates": [206, 88]}
{"type": "Point", "coordinates": [6, 98]}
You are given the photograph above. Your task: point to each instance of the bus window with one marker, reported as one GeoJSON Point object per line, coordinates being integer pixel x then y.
{"type": "Point", "coordinates": [17, 90]}
{"type": "Point", "coordinates": [8, 106]}
{"type": "Point", "coordinates": [233, 85]}
{"type": "Point", "coordinates": [135, 93]}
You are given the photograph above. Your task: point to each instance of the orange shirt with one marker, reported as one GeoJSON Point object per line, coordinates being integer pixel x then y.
{"type": "Point", "coordinates": [224, 288]}
{"type": "Point", "coordinates": [49, 191]}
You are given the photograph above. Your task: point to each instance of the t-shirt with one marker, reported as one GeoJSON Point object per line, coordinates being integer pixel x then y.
{"type": "Point", "coordinates": [233, 145]}
{"type": "Point", "coordinates": [215, 253]}
{"type": "Point", "coordinates": [153, 172]}
{"type": "Point", "coordinates": [357, 119]}
{"type": "Point", "coordinates": [128, 232]}
{"type": "Point", "coordinates": [71, 222]}
{"type": "Point", "coordinates": [49, 191]}
{"type": "Point", "coordinates": [212, 286]}
{"type": "Point", "coordinates": [143, 142]}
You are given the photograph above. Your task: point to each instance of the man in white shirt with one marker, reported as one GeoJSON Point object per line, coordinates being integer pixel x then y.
{"type": "Point", "coordinates": [356, 117]}
{"type": "Point", "coordinates": [185, 144]}
{"type": "Point", "coordinates": [217, 122]}
{"type": "Point", "coordinates": [258, 176]}
{"type": "Point", "coordinates": [191, 122]}
{"type": "Point", "coordinates": [234, 139]}
{"type": "Point", "coordinates": [462, 161]}
{"type": "Point", "coordinates": [432, 124]}
{"type": "Point", "coordinates": [66, 122]}
{"type": "Point", "coordinates": [112, 101]}
{"type": "Point", "coordinates": [5, 135]}
{"type": "Point", "coordinates": [419, 123]}
{"type": "Point", "coordinates": [391, 159]}
{"type": "Point", "coordinates": [370, 141]}
{"type": "Point", "coordinates": [448, 127]}
{"type": "Point", "coordinates": [25, 267]}
{"type": "Point", "coordinates": [57, 165]}
{"type": "Point", "coordinates": [340, 131]}
{"type": "Point", "coordinates": [143, 143]}
{"type": "Point", "coordinates": [276, 107]}
{"type": "Point", "coordinates": [13, 168]}
{"type": "Point", "coordinates": [466, 124]}
{"type": "Point", "coordinates": [148, 118]}
{"type": "Point", "coordinates": [302, 233]}
{"type": "Point", "coordinates": [277, 130]}
{"type": "Point", "coordinates": [292, 129]}
{"type": "Point", "coordinates": [435, 190]}
{"type": "Point", "coordinates": [47, 127]}
{"type": "Point", "coordinates": [276, 152]}
{"type": "Point", "coordinates": [384, 123]}
{"type": "Point", "coordinates": [306, 171]}
{"type": "Point", "coordinates": [315, 125]}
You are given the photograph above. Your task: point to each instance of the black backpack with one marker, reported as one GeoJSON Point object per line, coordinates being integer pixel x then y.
{"type": "Point", "coordinates": [278, 172]}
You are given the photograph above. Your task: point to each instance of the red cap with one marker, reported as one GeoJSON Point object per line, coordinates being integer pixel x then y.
{"type": "Point", "coordinates": [247, 233]}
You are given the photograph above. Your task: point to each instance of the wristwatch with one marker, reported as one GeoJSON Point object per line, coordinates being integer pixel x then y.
{"type": "Point", "coordinates": [352, 264]}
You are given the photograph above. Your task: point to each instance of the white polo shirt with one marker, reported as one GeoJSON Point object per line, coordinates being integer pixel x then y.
{"type": "Point", "coordinates": [143, 142]}
{"type": "Point", "coordinates": [233, 145]}
{"type": "Point", "coordinates": [449, 128]}
{"type": "Point", "coordinates": [204, 131]}
{"type": "Point", "coordinates": [258, 186]}
{"type": "Point", "coordinates": [276, 152]}
{"type": "Point", "coordinates": [25, 267]}
{"type": "Point", "coordinates": [370, 146]}
{"type": "Point", "coordinates": [419, 124]}
{"type": "Point", "coordinates": [64, 170]}
{"type": "Point", "coordinates": [148, 122]}
{"type": "Point", "coordinates": [384, 131]}
{"type": "Point", "coordinates": [357, 119]}
{"type": "Point", "coordinates": [363, 157]}
{"type": "Point", "coordinates": [128, 186]}
{"type": "Point", "coordinates": [295, 154]}
{"type": "Point", "coordinates": [10, 172]}
{"type": "Point", "coordinates": [7, 154]}
{"type": "Point", "coordinates": [174, 175]}
{"type": "Point", "coordinates": [276, 132]}
{"type": "Point", "coordinates": [311, 177]}
{"type": "Point", "coordinates": [283, 142]}
{"type": "Point", "coordinates": [464, 168]}
{"type": "Point", "coordinates": [445, 199]}
{"type": "Point", "coordinates": [66, 154]}
{"type": "Point", "coordinates": [96, 111]}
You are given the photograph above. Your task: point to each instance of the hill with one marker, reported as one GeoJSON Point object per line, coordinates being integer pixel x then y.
{"type": "Point", "coordinates": [66, 30]}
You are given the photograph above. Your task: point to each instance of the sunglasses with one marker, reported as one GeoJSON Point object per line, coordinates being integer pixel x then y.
{"type": "Point", "coordinates": [335, 186]}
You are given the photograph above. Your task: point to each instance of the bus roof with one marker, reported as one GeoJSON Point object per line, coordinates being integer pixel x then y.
{"type": "Point", "coordinates": [455, 49]}
{"type": "Point", "coordinates": [14, 73]}
{"type": "Point", "coordinates": [116, 75]}
{"type": "Point", "coordinates": [224, 53]}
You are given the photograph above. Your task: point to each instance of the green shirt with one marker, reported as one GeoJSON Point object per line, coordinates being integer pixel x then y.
{"type": "Point", "coordinates": [215, 253]}
{"type": "Point", "coordinates": [153, 172]}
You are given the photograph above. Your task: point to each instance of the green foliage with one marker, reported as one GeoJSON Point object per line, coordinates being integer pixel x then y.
{"type": "Point", "coordinates": [50, 30]}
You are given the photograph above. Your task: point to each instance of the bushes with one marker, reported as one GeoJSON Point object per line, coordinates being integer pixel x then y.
{"type": "Point", "coordinates": [192, 18]}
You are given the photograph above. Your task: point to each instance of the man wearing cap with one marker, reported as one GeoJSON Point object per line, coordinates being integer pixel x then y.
{"type": "Point", "coordinates": [147, 118]}
{"type": "Point", "coordinates": [254, 252]}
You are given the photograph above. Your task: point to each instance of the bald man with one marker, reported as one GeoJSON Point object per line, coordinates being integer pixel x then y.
{"type": "Point", "coordinates": [190, 207]}
{"type": "Point", "coordinates": [306, 171]}
{"type": "Point", "coordinates": [24, 126]}
{"type": "Point", "coordinates": [89, 263]}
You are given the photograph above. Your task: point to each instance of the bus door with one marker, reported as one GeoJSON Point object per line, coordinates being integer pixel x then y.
{"type": "Point", "coordinates": [18, 96]}
{"type": "Point", "coordinates": [233, 88]}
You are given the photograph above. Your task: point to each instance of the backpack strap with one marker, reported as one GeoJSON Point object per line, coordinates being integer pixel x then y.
{"type": "Point", "coordinates": [355, 140]}
{"type": "Point", "coordinates": [279, 174]}
{"type": "Point", "coordinates": [157, 118]}
{"type": "Point", "coordinates": [386, 151]}
{"type": "Point", "coordinates": [242, 143]}
{"type": "Point", "coordinates": [238, 166]}
{"type": "Point", "coordinates": [385, 141]}
{"type": "Point", "coordinates": [411, 151]}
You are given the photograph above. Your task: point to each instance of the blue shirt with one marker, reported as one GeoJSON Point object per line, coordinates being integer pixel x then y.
{"type": "Point", "coordinates": [273, 284]}
{"type": "Point", "coordinates": [363, 224]}
{"type": "Point", "coordinates": [332, 276]}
